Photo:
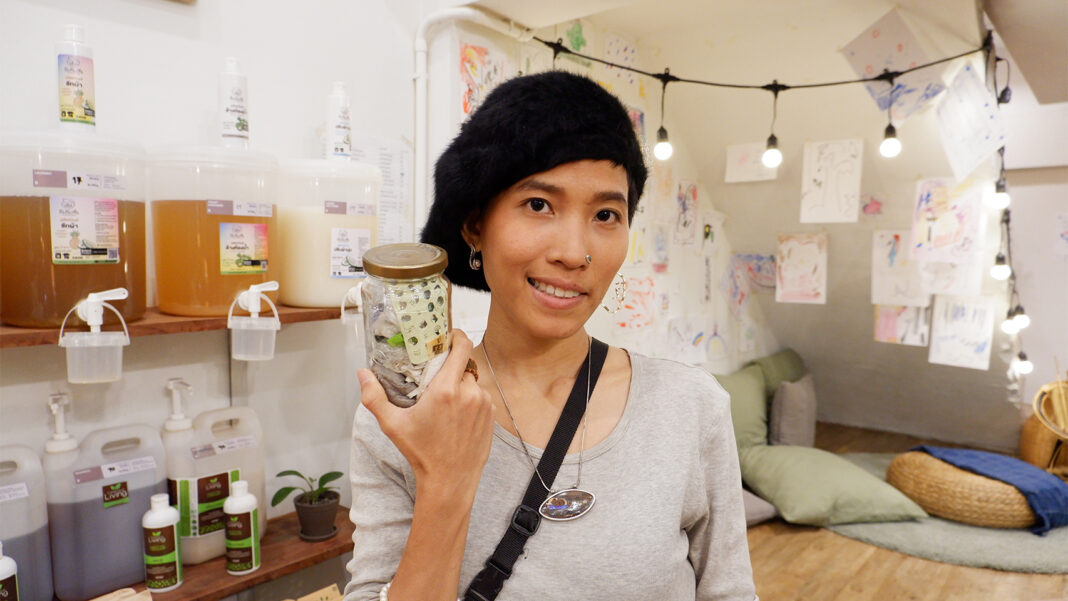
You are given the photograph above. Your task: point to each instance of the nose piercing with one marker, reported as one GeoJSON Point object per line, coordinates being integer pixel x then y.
{"type": "Point", "coordinates": [589, 260]}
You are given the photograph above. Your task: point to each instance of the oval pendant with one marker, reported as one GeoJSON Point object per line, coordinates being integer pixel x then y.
{"type": "Point", "coordinates": [567, 504]}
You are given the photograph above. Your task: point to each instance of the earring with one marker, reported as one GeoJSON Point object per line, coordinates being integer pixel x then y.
{"type": "Point", "coordinates": [474, 261]}
{"type": "Point", "coordinates": [620, 291]}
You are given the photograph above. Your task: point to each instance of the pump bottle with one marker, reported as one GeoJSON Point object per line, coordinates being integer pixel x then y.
{"type": "Point", "coordinates": [9, 577]}
{"type": "Point", "coordinates": [242, 530]}
{"type": "Point", "coordinates": [163, 548]}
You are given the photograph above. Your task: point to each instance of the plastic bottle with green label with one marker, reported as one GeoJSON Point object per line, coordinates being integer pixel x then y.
{"type": "Point", "coordinates": [163, 548]}
{"type": "Point", "coordinates": [9, 578]}
{"type": "Point", "coordinates": [242, 531]}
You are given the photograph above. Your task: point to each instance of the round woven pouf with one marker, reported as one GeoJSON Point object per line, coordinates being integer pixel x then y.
{"type": "Point", "coordinates": [959, 495]}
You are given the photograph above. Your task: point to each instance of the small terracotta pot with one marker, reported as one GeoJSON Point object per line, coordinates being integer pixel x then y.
{"type": "Point", "coordinates": [317, 521]}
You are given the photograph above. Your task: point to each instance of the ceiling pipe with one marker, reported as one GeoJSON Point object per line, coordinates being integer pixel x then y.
{"type": "Point", "coordinates": [467, 14]}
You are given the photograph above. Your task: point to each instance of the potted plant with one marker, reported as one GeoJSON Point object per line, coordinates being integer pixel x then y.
{"type": "Point", "coordinates": [316, 505]}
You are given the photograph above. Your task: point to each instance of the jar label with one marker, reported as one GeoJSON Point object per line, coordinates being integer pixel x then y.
{"type": "Point", "coordinates": [85, 231]}
{"type": "Point", "coordinates": [116, 494]}
{"type": "Point", "coordinates": [49, 178]}
{"type": "Point", "coordinates": [11, 492]}
{"type": "Point", "coordinates": [422, 309]}
{"type": "Point", "coordinates": [163, 564]}
{"type": "Point", "coordinates": [242, 248]}
{"type": "Point", "coordinates": [110, 470]}
{"type": "Point", "coordinates": [77, 96]}
{"type": "Point", "coordinates": [199, 502]}
{"type": "Point", "coordinates": [239, 207]}
{"type": "Point", "coordinates": [9, 588]}
{"type": "Point", "coordinates": [242, 542]}
{"type": "Point", "coordinates": [352, 209]}
{"type": "Point", "coordinates": [347, 246]}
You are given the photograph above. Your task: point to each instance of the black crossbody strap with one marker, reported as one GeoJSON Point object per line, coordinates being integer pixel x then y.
{"type": "Point", "coordinates": [525, 520]}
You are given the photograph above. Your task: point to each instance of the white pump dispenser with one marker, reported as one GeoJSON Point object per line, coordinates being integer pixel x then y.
{"type": "Point", "coordinates": [178, 420]}
{"type": "Point", "coordinates": [61, 441]}
{"type": "Point", "coordinates": [95, 356]}
{"type": "Point", "coordinates": [252, 337]}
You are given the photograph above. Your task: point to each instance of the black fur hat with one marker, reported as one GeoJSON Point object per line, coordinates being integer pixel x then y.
{"type": "Point", "coordinates": [526, 125]}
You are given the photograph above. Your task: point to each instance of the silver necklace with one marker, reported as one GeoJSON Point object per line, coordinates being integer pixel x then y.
{"type": "Point", "coordinates": [568, 503]}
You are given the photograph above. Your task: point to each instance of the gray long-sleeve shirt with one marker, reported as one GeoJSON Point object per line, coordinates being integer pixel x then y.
{"type": "Point", "coordinates": [668, 522]}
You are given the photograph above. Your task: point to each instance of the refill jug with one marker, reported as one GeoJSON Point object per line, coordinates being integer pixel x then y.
{"type": "Point", "coordinates": [97, 492]}
{"type": "Point", "coordinates": [214, 225]}
{"type": "Point", "coordinates": [72, 220]}
{"type": "Point", "coordinates": [205, 456]}
{"type": "Point", "coordinates": [24, 521]}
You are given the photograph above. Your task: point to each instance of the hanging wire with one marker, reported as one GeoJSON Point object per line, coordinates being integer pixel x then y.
{"type": "Point", "coordinates": [665, 78]}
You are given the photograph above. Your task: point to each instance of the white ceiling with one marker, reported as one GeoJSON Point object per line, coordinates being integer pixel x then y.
{"type": "Point", "coordinates": [1036, 32]}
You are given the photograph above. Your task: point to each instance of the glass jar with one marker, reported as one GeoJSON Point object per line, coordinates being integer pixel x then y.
{"type": "Point", "coordinates": [406, 310]}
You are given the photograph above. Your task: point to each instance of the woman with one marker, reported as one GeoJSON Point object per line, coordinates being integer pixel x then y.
{"type": "Point", "coordinates": [537, 191]}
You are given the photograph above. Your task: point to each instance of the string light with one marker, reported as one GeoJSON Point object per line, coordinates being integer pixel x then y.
{"type": "Point", "coordinates": [1020, 318]}
{"type": "Point", "coordinates": [772, 156]}
{"type": "Point", "coordinates": [1022, 365]}
{"type": "Point", "coordinates": [663, 149]}
{"type": "Point", "coordinates": [1001, 270]}
{"type": "Point", "coordinates": [1000, 200]}
{"type": "Point", "coordinates": [1009, 326]}
{"type": "Point", "coordinates": [890, 146]}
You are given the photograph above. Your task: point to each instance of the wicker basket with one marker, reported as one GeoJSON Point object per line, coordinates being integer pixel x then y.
{"type": "Point", "coordinates": [959, 495]}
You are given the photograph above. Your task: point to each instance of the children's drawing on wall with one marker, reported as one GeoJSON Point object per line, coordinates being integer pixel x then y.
{"type": "Point", "coordinates": [735, 286]}
{"type": "Point", "coordinates": [621, 51]}
{"type": "Point", "coordinates": [637, 119]}
{"type": "Point", "coordinates": [1060, 235]}
{"type": "Point", "coordinates": [947, 221]}
{"type": "Point", "coordinates": [636, 251]}
{"type": "Point", "coordinates": [661, 191]}
{"type": "Point", "coordinates": [962, 331]}
{"type": "Point", "coordinates": [801, 267]}
{"type": "Point", "coordinates": [830, 181]}
{"type": "Point", "coordinates": [573, 34]}
{"type": "Point", "coordinates": [744, 165]}
{"type": "Point", "coordinates": [969, 123]}
{"type": "Point", "coordinates": [888, 44]}
{"type": "Point", "coordinates": [639, 307]}
{"type": "Point", "coordinates": [895, 275]}
{"type": "Point", "coordinates": [708, 280]}
{"type": "Point", "coordinates": [962, 279]}
{"type": "Point", "coordinates": [661, 248]}
{"type": "Point", "coordinates": [872, 205]}
{"type": "Point", "coordinates": [687, 342]}
{"type": "Point", "coordinates": [716, 344]}
{"type": "Point", "coordinates": [481, 69]}
{"type": "Point", "coordinates": [747, 335]}
{"type": "Point", "coordinates": [686, 213]}
{"type": "Point", "coordinates": [759, 270]}
{"type": "Point", "coordinates": [902, 325]}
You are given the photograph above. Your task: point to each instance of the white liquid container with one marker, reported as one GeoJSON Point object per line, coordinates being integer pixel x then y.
{"type": "Point", "coordinates": [24, 521]}
{"type": "Point", "coordinates": [328, 217]}
{"type": "Point", "coordinates": [214, 226]}
{"type": "Point", "coordinates": [97, 492]}
{"type": "Point", "coordinates": [219, 448]}
{"type": "Point", "coordinates": [163, 551]}
{"type": "Point", "coordinates": [242, 531]}
{"type": "Point", "coordinates": [9, 577]}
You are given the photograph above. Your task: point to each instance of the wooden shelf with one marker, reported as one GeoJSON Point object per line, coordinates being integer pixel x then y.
{"type": "Point", "coordinates": [283, 553]}
{"type": "Point", "coordinates": [155, 322]}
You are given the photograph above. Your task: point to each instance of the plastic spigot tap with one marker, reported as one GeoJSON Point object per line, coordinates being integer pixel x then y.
{"type": "Point", "coordinates": [61, 440]}
{"type": "Point", "coordinates": [249, 300]}
{"type": "Point", "coordinates": [353, 298]}
{"type": "Point", "coordinates": [91, 310]}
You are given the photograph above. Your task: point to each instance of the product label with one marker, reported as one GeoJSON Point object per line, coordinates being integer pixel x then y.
{"type": "Point", "coordinates": [18, 490]}
{"type": "Point", "coordinates": [9, 588]}
{"type": "Point", "coordinates": [234, 103]}
{"type": "Point", "coordinates": [422, 308]}
{"type": "Point", "coordinates": [223, 446]}
{"type": "Point", "coordinates": [347, 246]}
{"type": "Point", "coordinates": [84, 230]}
{"type": "Point", "coordinates": [116, 494]}
{"type": "Point", "coordinates": [163, 563]}
{"type": "Point", "coordinates": [48, 178]}
{"type": "Point", "coordinates": [239, 207]}
{"type": "Point", "coordinates": [340, 133]}
{"type": "Point", "coordinates": [110, 470]}
{"type": "Point", "coordinates": [199, 502]}
{"type": "Point", "coordinates": [334, 207]}
{"type": "Point", "coordinates": [242, 542]}
{"type": "Point", "coordinates": [242, 248]}
{"type": "Point", "coordinates": [77, 97]}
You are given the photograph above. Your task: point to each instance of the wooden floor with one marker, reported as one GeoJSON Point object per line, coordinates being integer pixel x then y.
{"type": "Point", "coordinates": [798, 563]}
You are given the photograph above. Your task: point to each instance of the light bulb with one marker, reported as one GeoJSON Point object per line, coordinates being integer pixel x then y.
{"type": "Point", "coordinates": [1020, 318]}
{"type": "Point", "coordinates": [772, 157]}
{"type": "Point", "coordinates": [1009, 327]}
{"type": "Point", "coordinates": [663, 149]}
{"type": "Point", "coordinates": [1022, 365]}
{"type": "Point", "coordinates": [1001, 269]}
{"type": "Point", "coordinates": [1001, 199]}
{"type": "Point", "coordinates": [891, 146]}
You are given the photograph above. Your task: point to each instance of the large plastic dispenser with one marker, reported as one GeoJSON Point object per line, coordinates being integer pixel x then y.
{"type": "Point", "coordinates": [328, 217]}
{"type": "Point", "coordinates": [24, 521]}
{"type": "Point", "coordinates": [96, 355]}
{"type": "Point", "coordinates": [205, 456]}
{"type": "Point", "coordinates": [214, 224]}
{"type": "Point", "coordinates": [72, 220]}
{"type": "Point", "coordinates": [97, 493]}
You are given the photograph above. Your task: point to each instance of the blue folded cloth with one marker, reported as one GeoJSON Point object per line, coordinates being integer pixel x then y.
{"type": "Point", "coordinates": [1046, 494]}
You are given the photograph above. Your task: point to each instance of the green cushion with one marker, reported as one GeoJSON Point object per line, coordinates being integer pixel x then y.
{"type": "Point", "coordinates": [749, 408]}
{"type": "Point", "coordinates": [811, 486]}
{"type": "Point", "coordinates": [784, 366]}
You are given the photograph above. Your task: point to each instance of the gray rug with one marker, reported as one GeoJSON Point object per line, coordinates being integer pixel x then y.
{"type": "Point", "coordinates": [956, 543]}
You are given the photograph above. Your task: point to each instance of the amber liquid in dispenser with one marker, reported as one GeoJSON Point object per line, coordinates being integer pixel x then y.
{"type": "Point", "coordinates": [35, 292]}
{"type": "Point", "coordinates": [189, 263]}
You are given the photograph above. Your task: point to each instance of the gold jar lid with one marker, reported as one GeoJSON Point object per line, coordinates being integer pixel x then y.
{"type": "Point", "coordinates": [405, 261]}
